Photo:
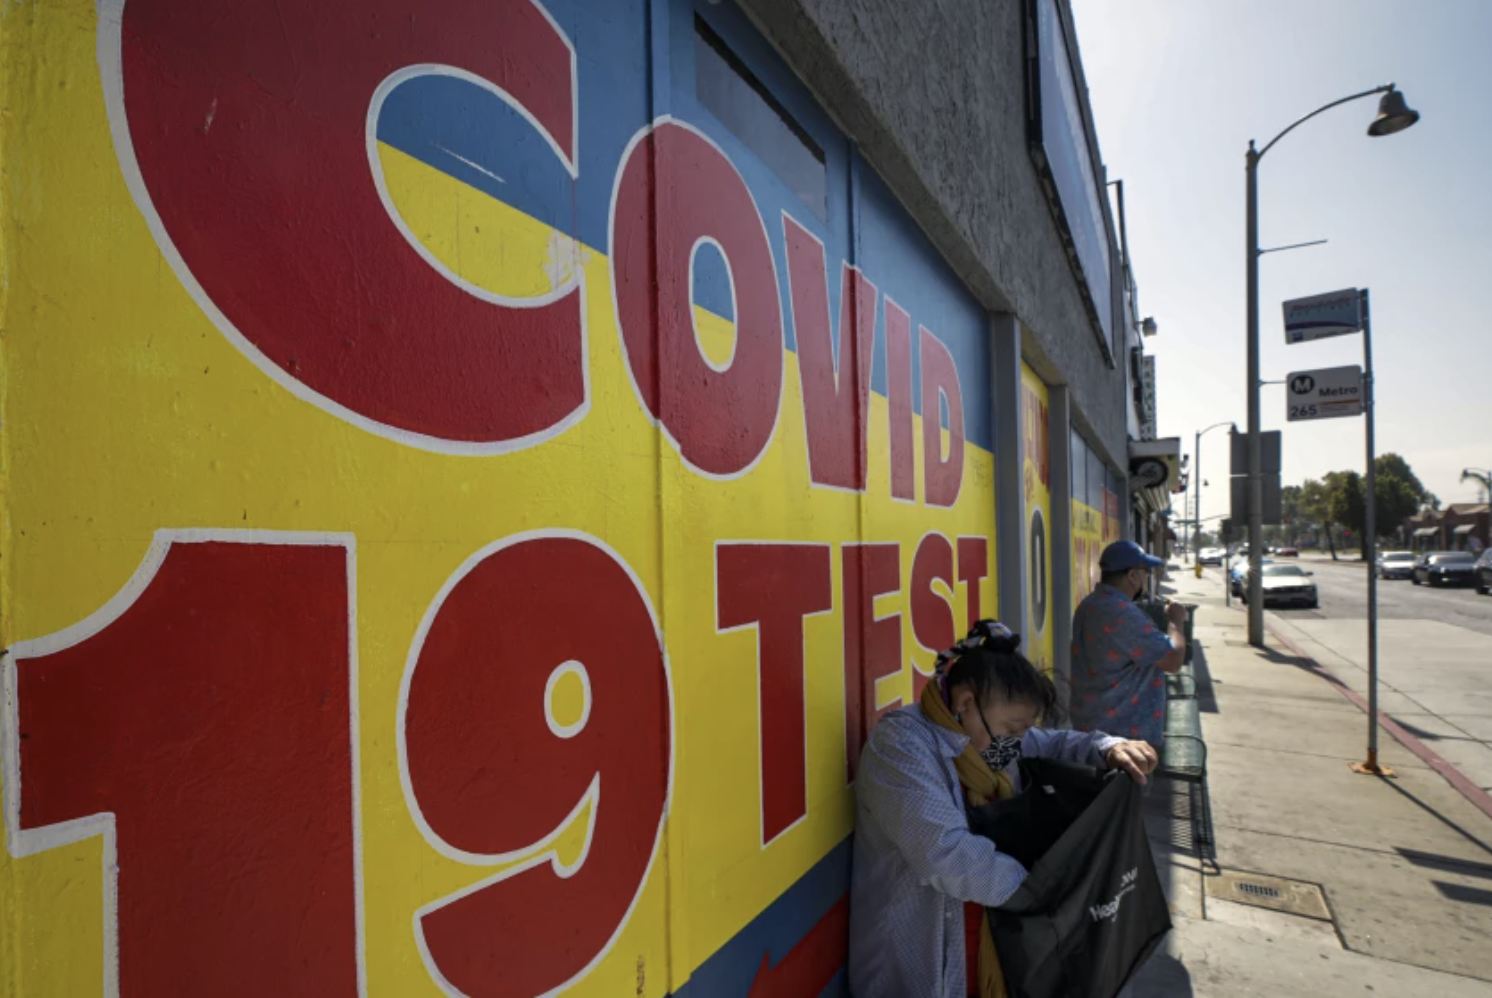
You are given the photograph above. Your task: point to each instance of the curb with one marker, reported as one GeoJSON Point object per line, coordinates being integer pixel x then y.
{"type": "Point", "coordinates": [1478, 797]}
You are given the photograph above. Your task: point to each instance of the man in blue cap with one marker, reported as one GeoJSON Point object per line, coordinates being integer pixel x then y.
{"type": "Point", "coordinates": [1119, 655]}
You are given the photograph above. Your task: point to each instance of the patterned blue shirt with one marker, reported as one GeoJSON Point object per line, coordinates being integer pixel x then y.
{"type": "Point", "coordinates": [916, 862]}
{"type": "Point", "coordinates": [1115, 683]}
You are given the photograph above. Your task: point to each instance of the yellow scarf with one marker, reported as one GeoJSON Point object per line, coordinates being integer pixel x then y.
{"type": "Point", "coordinates": [981, 785]}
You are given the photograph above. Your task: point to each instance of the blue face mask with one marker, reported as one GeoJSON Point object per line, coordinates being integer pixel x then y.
{"type": "Point", "coordinates": [1002, 752]}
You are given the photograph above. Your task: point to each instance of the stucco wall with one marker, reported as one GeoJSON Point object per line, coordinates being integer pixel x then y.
{"type": "Point", "coordinates": [934, 93]}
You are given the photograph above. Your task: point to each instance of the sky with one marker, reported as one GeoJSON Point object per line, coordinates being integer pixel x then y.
{"type": "Point", "coordinates": [1179, 87]}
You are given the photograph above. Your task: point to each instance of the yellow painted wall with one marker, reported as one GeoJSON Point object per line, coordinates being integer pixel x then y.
{"type": "Point", "coordinates": [128, 412]}
{"type": "Point", "coordinates": [1087, 544]}
{"type": "Point", "coordinates": [1037, 484]}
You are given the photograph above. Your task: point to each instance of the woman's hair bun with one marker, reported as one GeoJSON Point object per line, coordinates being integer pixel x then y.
{"type": "Point", "coordinates": [1008, 645]}
{"type": "Point", "coordinates": [995, 636]}
{"type": "Point", "coordinates": [990, 635]}
{"type": "Point", "coordinates": [989, 662]}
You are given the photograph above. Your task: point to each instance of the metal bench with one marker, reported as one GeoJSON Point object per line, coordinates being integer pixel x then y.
{"type": "Point", "coordinates": [1183, 685]}
{"type": "Point", "coordinates": [1184, 755]}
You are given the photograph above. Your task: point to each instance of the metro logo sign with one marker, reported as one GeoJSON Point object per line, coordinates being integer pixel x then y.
{"type": "Point", "coordinates": [1324, 394]}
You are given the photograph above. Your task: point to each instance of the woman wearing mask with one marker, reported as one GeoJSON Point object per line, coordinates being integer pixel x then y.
{"type": "Point", "coordinates": [921, 878]}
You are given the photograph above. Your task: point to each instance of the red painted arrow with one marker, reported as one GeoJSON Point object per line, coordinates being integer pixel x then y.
{"type": "Point", "coordinates": [809, 966]}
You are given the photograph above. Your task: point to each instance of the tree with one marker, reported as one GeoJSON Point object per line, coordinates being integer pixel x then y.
{"type": "Point", "coordinates": [1396, 502]}
{"type": "Point", "coordinates": [1290, 497]}
{"type": "Point", "coordinates": [1345, 500]}
{"type": "Point", "coordinates": [1291, 512]}
{"type": "Point", "coordinates": [1315, 505]}
{"type": "Point", "coordinates": [1338, 499]}
{"type": "Point", "coordinates": [1393, 464]}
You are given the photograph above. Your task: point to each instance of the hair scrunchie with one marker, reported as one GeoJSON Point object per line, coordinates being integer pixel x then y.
{"type": "Point", "coordinates": [984, 634]}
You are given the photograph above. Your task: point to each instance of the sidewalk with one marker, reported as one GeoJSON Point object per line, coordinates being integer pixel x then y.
{"type": "Point", "coordinates": [1433, 678]}
{"type": "Point", "coordinates": [1404, 866]}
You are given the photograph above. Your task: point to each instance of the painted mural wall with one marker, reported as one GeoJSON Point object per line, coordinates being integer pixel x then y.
{"type": "Point", "coordinates": [474, 472]}
{"type": "Point", "coordinates": [1036, 461]}
{"type": "Point", "coordinates": [1097, 518]}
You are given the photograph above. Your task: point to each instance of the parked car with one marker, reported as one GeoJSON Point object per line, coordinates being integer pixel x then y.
{"type": "Point", "coordinates": [1210, 556]}
{"type": "Point", "coordinates": [1286, 553]}
{"type": "Point", "coordinates": [1484, 573]}
{"type": "Point", "coordinates": [1445, 568]}
{"type": "Point", "coordinates": [1239, 572]}
{"type": "Point", "coordinates": [1396, 564]}
{"type": "Point", "coordinates": [1288, 585]}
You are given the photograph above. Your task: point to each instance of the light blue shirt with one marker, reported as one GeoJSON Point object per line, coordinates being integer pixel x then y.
{"type": "Point", "coordinates": [916, 862]}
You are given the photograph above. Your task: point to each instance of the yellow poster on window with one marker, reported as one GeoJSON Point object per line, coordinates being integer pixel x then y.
{"type": "Point", "coordinates": [1037, 483]}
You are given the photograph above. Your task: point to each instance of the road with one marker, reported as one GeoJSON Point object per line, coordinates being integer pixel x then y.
{"type": "Point", "coordinates": [1344, 595]}
{"type": "Point", "coordinates": [1434, 656]}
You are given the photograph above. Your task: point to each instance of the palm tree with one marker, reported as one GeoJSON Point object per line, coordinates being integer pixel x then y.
{"type": "Point", "coordinates": [1482, 477]}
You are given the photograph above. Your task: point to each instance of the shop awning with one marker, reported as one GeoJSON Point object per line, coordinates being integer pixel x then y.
{"type": "Point", "coordinates": [1464, 528]}
{"type": "Point", "coordinates": [1427, 531]}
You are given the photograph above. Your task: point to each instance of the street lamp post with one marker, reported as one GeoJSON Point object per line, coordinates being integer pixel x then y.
{"type": "Point", "coordinates": [1370, 539]}
{"type": "Point", "coordinates": [1393, 116]}
{"type": "Point", "coordinates": [1197, 474]}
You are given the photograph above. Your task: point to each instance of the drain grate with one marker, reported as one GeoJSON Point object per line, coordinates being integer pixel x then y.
{"type": "Point", "coordinates": [1294, 897]}
{"type": "Point", "coordinates": [1258, 890]}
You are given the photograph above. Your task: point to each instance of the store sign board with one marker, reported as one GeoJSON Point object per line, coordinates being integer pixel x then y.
{"type": "Point", "coordinates": [1062, 151]}
{"type": "Point", "coordinates": [1320, 316]}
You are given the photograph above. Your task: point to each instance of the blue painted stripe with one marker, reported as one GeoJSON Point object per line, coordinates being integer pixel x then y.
{"type": "Point", "coordinates": [730, 971]}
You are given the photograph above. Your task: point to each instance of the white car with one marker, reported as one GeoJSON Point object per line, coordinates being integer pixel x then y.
{"type": "Point", "coordinates": [1288, 585]}
{"type": "Point", "coordinates": [1210, 556]}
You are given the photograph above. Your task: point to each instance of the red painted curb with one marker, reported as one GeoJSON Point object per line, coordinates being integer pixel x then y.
{"type": "Point", "coordinates": [1478, 797]}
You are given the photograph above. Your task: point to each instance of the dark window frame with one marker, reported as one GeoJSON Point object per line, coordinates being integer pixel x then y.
{"type": "Point", "coordinates": [707, 35]}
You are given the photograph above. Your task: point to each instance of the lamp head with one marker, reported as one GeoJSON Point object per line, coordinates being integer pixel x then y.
{"type": "Point", "coordinates": [1148, 326]}
{"type": "Point", "coordinates": [1393, 115]}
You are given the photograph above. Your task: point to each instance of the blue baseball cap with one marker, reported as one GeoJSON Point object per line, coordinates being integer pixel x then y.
{"type": "Point", "coordinates": [1121, 556]}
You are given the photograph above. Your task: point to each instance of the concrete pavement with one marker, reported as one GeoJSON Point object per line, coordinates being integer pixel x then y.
{"type": "Point", "coordinates": [1344, 594]}
{"type": "Point", "coordinates": [1434, 657]}
{"type": "Point", "coordinates": [1404, 865]}
{"type": "Point", "coordinates": [1434, 679]}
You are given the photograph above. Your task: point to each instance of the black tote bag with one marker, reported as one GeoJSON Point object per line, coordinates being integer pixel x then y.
{"type": "Point", "coordinates": [1092, 909]}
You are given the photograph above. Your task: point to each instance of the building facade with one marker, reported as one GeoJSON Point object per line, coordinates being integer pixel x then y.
{"type": "Point", "coordinates": [1461, 526]}
{"type": "Point", "coordinates": [475, 473]}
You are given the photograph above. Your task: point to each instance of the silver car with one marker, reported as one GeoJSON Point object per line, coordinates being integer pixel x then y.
{"type": "Point", "coordinates": [1396, 564]}
{"type": "Point", "coordinates": [1289, 585]}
